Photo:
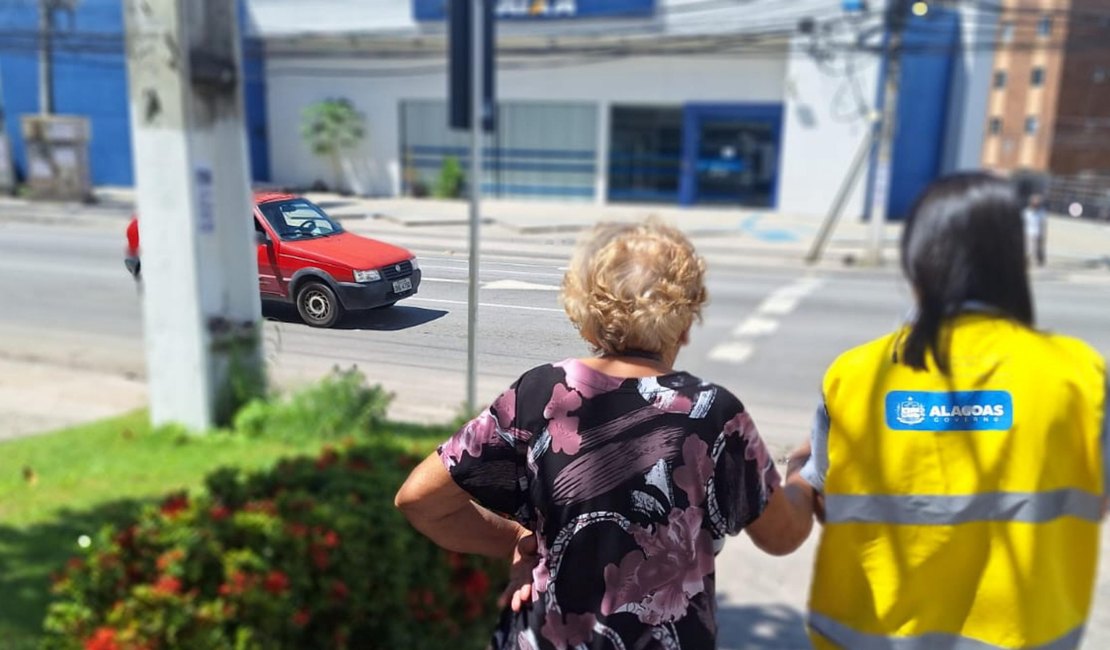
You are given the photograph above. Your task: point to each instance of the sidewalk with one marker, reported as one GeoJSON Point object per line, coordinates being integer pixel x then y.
{"type": "Point", "coordinates": [740, 236]}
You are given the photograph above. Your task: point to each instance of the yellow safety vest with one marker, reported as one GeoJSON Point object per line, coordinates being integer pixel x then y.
{"type": "Point", "coordinates": [962, 511]}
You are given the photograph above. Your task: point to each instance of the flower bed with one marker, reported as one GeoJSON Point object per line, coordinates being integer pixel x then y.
{"type": "Point", "coordinates": [311, 554]}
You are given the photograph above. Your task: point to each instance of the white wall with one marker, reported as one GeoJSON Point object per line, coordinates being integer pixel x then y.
{"type": "Point", "coordinates": [971, 88]}
{"type": "Point", "coordinates": [293, 85]}
{"type": "Point", "coordinates": [824, 125]}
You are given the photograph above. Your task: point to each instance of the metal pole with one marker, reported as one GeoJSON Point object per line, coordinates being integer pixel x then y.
{"type": "Point", "coordinates": [850, 179]}
{"type": "Point", "coordinates": [476, 104]}
{"type": "Point", "coordinates": [46, 63]}
{"type": "Point", "coordinates": [880, 194]}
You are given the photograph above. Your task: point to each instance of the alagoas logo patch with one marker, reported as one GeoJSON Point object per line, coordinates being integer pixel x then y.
{"type": "Point", "coordinates": [978, 410]}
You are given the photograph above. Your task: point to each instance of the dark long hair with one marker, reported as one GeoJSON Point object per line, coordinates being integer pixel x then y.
{"type": "Point", "coordinates": [964, 241]}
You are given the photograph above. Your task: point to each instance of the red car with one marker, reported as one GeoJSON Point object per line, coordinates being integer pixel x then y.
{"type": "Point", "coordinates": [306, 258]}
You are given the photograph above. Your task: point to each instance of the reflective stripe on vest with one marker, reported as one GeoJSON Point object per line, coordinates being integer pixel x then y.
{"type": "Point", "coordinates": [849, 638]}
{"type": "Point", "coordinates": [948, 510]}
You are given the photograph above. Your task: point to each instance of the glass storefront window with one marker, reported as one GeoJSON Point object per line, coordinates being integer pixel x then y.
{"type": "Point", "coordinates": [540, 149]}
{"type": "Point", "coordinates": [645, 153]}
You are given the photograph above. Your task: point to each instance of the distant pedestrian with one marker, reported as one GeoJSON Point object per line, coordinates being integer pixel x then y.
{"type": "Point", "coordinates": [619, 475]}
{"type": "Point", "coordinates": [1036, 229]}
{"type": "Point", "coordinates": [962, 461]}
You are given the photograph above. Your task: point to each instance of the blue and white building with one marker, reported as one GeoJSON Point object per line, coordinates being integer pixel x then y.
{"type": "Point", "coordinates": [688, 102]}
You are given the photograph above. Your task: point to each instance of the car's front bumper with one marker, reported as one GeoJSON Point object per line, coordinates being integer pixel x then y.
{"type": "Point", "coordinates": [355, 296]}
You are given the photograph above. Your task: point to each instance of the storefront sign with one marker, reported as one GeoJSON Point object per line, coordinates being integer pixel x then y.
{"type": "Point", "coordinates": [544, 9]}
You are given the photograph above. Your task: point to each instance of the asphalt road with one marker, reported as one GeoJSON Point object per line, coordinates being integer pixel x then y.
{"type": "Point", "coordinates": [768, 335]}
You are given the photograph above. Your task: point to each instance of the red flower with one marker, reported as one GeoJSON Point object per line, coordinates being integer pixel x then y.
{"type": "Point", "coordinates": [476, 584]}
{"type": "Point", "coordinates": [126, 537]}
{"type": "Point", "coordinates": [75, 564]}
{"type": "Point", "coordinates": [167, 586]}
{"type": "Point", "coordinates": [297, 530]}
{"type": "Point", "coordinates": [219, 512]}
{"type": "Point", "coordinates": [174, 504]}
{"type": "Point", "coordinates": [302, 617]}
{"type": "Point", "coordinates": [331, 539]}
{"type": "Point", "coordinates": [339, 591]}
{"type": "Point", "coordinates": [237, 584]}
{"type": "Point", "coordinates": [103, 639]}
{"type": "Point", "coordinates": [170, 558]}
{"type": "Point", "coordinates": [454, 560]}
{"type": "Point", "coordinates": [276, 583]}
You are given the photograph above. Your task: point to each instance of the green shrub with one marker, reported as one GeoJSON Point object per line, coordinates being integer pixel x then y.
{"type": "Point", "coordinates": [340, 405]}
{"type": "Point", "coordinates": [449, 184]}
{"type": "Point", "coordinates": [311, 554]}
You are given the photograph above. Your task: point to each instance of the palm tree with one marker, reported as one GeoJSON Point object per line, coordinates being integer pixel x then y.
{"type": "Point", "coordinates": [333, 129]}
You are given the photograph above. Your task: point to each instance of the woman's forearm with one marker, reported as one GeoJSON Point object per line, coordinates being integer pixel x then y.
{"type": "Point", "coordinates": [438, 508]}
{"type": "Point", "coordinates": [470, 529]}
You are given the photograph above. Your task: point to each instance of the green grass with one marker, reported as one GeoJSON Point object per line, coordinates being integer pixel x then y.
{"type": "Point", "coordinates": [88, 476]}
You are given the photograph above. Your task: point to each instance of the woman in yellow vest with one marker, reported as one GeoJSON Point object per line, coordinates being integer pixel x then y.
{"type": "Point", "coordinates": [961, 461]}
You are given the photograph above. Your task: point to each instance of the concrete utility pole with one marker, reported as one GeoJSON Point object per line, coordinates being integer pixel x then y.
{"type": "Point", "coordinates": [880, 190]}
{"type": "Point", "coordinates": [201, 309]}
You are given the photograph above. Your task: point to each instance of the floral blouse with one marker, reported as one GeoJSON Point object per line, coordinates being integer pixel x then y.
{"type": "Point", "coordinates": [631, 486]}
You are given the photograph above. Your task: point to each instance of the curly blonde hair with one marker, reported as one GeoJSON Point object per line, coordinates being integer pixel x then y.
{"type": "Point", "coordinates": [634, 286]}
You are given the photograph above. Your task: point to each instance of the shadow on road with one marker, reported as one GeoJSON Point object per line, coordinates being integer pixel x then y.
{"type": "Point", "coordinates": [380, 320]}
{"type": "Point", "coordinates": [765, 627]}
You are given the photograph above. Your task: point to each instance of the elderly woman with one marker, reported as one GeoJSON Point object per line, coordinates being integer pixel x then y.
{"type": "Point", "coordinates": [618, 474]}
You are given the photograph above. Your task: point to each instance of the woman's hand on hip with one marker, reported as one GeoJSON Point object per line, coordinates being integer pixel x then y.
{"type": "Point", "coordinates": [525, 558]}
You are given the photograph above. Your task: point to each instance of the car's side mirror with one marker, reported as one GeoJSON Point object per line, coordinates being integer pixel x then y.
{"type": "Point", "coordinates": [261, 237]}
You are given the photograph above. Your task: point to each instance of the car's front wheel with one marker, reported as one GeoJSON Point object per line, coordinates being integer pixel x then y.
{"type": "Point", "coordinates": [318, 305]}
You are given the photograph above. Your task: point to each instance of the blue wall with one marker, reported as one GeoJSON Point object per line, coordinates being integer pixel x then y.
{"type": "Point", "coordinates": [930, 51]}
{"type": "Point", "coordinates": [94, 84]}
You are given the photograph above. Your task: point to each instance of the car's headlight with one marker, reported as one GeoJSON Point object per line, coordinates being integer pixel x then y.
{"type": "Point", "coordinates": [415, 264]}
{"type": "Point", "coordinates": [367, 276]}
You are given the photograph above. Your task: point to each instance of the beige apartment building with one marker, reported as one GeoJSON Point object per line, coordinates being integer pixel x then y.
{"type": "Point", "coordinates": [1049, 104]}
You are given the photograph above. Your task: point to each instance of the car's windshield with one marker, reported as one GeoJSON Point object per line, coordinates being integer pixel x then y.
{"type": "Point", "coordinates": [299, 219]}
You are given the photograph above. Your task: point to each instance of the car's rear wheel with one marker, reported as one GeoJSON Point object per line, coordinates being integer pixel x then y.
{"type": "Point", "coordinates": [318, 305]}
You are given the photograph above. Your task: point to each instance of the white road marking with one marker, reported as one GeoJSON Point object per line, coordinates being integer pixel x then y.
{"type": "Point", "coordinates": [517, 285]}
{"type": "Point", "coordinates": [755, 327]}
{"type": "Point", "coordinates": [445, 280]}
{"type": "Point", "coordinates": [785, 300]}
{"type": "Point", "coordinates": [732, 352]}
{"type": "Point", "coordinates": [490, 305]}
{"type": "Point", "coordinates": [781, 302]}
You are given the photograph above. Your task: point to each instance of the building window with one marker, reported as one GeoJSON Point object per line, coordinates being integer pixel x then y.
{"type": "Point", "coordinates": [996, 125]}
{"type": "Point", "coordinates": [645, 153]}
{"type": "Point", "coordinates": [1007, 32]}
{"type": "Point", "coordinates": [542, 149]}
{"type": "Point", "coordinates": [1044, 26]}
{"type": "Point", "coordinates": [1031, 125]}
{"type": "Point", "coordinates": [1100, 75]}
{"type": "Point", "coordinates": [1036, 79]}
{"type": "Point", "coordinates": [999, 78]}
